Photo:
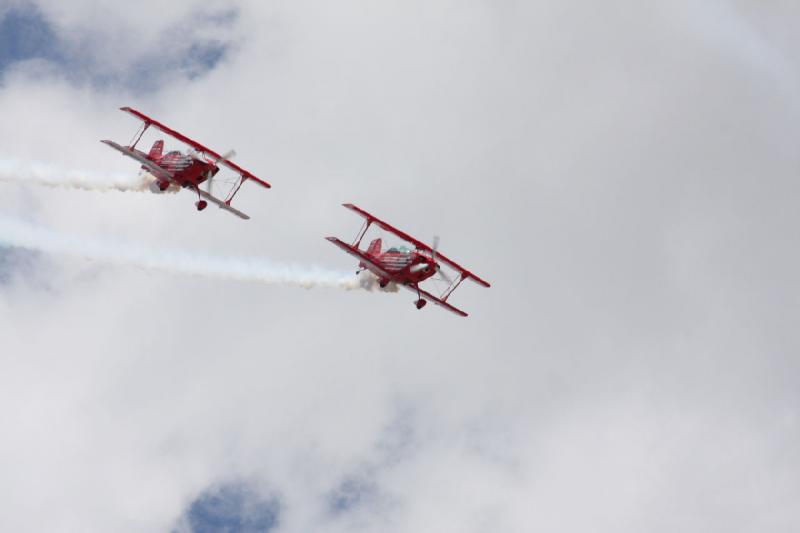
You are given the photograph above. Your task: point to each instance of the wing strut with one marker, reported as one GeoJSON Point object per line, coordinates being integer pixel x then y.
{"type": "Point", "coordinates": [229, 199]}
{"type": "Point", "coordinates": [361, 233]}
{"type": "Point", "coordinates": [453, 286]}
{"type": "Point", "coordinates": [138, 135]}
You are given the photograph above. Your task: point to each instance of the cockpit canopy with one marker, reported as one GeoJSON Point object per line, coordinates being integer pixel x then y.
{"type": "Point", "coordinates": [400, 250]}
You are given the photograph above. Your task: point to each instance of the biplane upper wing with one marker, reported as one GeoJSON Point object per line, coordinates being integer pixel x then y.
{"type": "Point", "coordinates": [419, 244]}
{"type": "Point", "coordinates": [435, 299]}
{"type": "Point", "coordinates": [152, 167]}
{"type": "Point", "coordinates": [361, 256]}
{"type": "Point", "coordinates": [245, 174]}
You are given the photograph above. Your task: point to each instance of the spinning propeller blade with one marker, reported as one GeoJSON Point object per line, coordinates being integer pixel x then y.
{"type": "Point", "coordinates": [442, 273]}
{"type": "Point", "coordinates": [230, 154]}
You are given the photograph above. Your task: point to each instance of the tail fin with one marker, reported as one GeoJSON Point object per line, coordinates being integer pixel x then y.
{"type": "Point", "coordinates": [374, 247]}
{"type": "Point", "coordinates": [373, 251]}
{"type": "Point", "coordinates": [157, 149]}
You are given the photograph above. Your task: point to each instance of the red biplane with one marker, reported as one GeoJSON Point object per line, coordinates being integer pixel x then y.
{"type": "Point", "coordinates": [184, 170]}
{"type": "Point", "coordinates": [405, 266]}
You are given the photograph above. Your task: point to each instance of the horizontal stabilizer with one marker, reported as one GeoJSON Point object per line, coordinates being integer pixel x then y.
{"type": "Point", "coordinates": [156, 170]}
{"type": "Point", "coordinates": [361, 256]}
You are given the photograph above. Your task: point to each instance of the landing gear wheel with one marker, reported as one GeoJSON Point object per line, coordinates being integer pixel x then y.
{"type": "Point", "coordinates": [420, 303]}
{"type": "Point", "coordinates": [201, 204]}
{"type": "Point", "coordinates": [383, 283]}
{"type": "Point", "coordinates": [163, 186]}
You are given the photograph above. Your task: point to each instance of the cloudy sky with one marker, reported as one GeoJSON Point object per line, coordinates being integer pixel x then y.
{"type": "Point", "coordinates": [624, 173]}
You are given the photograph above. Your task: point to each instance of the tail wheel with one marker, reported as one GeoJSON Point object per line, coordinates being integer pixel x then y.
{"type": "Point", "coordinates": [201, 204]}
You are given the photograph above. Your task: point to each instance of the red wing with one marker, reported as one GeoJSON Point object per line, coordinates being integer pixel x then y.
{"type": "Point", "coordinates": [438, 301]}
{"type": "Point", "coordinates": [194, 144]}
{"type": "Point", "coordinates": [419, 244]}
{"type": "Point", "coordinates": [388, 227]}
{"type": "Point", "coordinates": [361, 256]}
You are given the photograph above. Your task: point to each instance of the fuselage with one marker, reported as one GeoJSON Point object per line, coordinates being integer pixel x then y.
{"type": "Point", "coordinates": [405, 267]}
{"type": "Point", "coordinates": [188, 171]}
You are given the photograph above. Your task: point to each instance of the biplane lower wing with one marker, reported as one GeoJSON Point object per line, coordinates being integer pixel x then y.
{"type": "Point", "coordinates": [152, 167]}
{"type": "Point", "coordinates": [222, 205]}
{"type": "Point", "coordinates": [372, 219]}
{"type": "Point", "coordinates": [361, 256]}
{"type": "Point", "coordinates": [435, 299]}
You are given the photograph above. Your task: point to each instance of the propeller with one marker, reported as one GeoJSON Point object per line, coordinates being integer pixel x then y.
{"type": "Point", "coordinates": [230, 154]}
{"type": "Point", "coordinates": [435, 248]}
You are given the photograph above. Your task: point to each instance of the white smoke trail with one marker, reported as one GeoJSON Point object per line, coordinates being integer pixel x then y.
{"type": "Point", "coordinates": [40, 173]}
{"type": "Point", "coordinates": [24, 235]}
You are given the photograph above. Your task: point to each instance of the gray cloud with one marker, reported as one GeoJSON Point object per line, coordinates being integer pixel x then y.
{"type": "Point", "coordinates": [106, 50]}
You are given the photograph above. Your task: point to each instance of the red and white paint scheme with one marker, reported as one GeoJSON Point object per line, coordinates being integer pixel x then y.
{"type": "Point", "coordinates": [406, 266]}
{"type": "Point", "coordinates": [185, 170]}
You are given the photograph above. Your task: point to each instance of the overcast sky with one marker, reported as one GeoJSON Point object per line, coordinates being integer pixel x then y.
{"type": "Point", "coordinates": [624, 173]}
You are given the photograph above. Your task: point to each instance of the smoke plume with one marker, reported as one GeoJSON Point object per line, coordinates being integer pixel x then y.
{"type": "Point", "coordinates": [40, 173]}
{"type": "Point", "coordinates": [21, 234]}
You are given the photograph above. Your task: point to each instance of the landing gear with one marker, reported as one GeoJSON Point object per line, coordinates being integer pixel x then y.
{"type": "Point", "coordinates": [420, 303]}
{"type": "Point", "coordinates": [201, 204]}
{"type": "Point", "coordinates": [383, 283]}
{"type": "Point", "coordinates": [163, 185]}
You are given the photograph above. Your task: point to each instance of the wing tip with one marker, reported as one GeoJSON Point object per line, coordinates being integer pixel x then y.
{"type": "Point", "coordinates": [453, 309]}
{"type": "Point", "coordinates": [476, 279]}
{"type": "Point", "coordinates": [336, 241]}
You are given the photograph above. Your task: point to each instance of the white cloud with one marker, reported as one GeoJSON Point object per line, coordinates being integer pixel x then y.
{"type": "Point", "coordinates": [624, 175]}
